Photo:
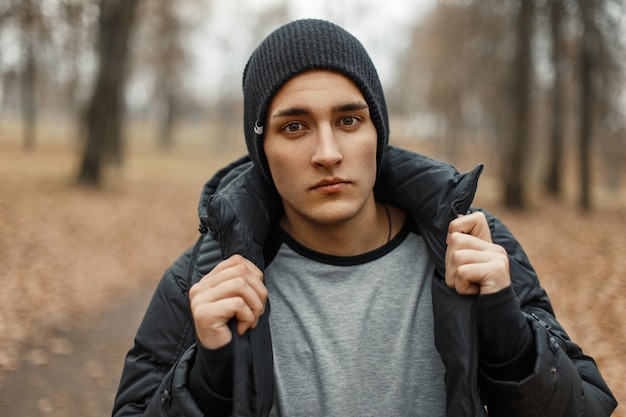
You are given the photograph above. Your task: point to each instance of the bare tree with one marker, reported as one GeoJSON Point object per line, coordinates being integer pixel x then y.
{"type": "Point", "coordinates": [106, 107]}
{"type": "Point", "coordinates": [52, 39]}
{"type": "Point", "coordinates": [168, 60]}
{"type": "Point", "coordinates": [479, 78]}
{"type": "Point", "coordinates": [589, 43]}
{"type": "Point", "coordinates": [601, 80]}
{"type": "Point", "coordinates": [555, 152]}
{"type": "Point", "coordinates": [516, 155]}
{"type": "Point", "coordinates": [74, 45]}
{"type": "Point", "coordinates": [475, 74]}
{"type": "Point", "coordinates": [170, 57]}
{"type": "Point", "coordinates": [457, 69]}
{"type": "Point", "coordinates": [31, 26]}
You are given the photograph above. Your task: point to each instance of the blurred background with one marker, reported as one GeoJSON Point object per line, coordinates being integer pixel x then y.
{"type": "Point", "coordinates": [113, 113]}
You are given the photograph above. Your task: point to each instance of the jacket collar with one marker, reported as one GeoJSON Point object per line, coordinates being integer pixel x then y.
{"type": "Point", "coordinates": [239, 208]}
{"type": "Point", "coordinates": [431, 192]}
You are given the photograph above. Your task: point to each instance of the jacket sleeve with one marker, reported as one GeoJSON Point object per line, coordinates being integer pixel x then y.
{"type": "Point", "coordinates": [564, 381]}
{"type": "Point", "coordinates": [156, 370]}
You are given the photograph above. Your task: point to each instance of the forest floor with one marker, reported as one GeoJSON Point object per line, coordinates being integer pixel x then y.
{"type": "Point", "coordinates": [79, 266]}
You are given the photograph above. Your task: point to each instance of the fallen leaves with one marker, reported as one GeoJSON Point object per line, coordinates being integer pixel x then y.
{"type": "Point", "coordinates": [68, 252]}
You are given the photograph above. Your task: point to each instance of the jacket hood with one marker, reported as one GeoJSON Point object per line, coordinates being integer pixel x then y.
{"type": "Point", "coordinates": [432, 193]}
{"type": "Point", "coordinates": [238, 203]}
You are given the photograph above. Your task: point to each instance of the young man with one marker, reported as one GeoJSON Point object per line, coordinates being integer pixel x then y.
{"type": "Point", "coordinates": [389, 294]}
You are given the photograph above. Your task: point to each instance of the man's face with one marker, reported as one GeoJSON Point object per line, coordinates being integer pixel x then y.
{"type": "Point", "coordinates": [320, 144]}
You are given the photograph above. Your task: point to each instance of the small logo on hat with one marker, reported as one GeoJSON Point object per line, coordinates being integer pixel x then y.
{"type": "Point", "coordinates": [258, 128]}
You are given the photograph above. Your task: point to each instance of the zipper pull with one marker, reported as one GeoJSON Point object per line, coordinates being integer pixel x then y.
{"type": "Point", "coordinates": [543, 323]}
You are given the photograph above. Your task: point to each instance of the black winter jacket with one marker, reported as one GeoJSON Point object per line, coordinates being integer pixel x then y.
{"type": "Point", "coordinates": [239, 209]}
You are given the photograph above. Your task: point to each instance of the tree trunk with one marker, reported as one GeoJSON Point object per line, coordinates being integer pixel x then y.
{"type": "Point", "coordinates": [586, 101]}
{"type": "Point", "coordinates": [514, 192]}
{"type": "Point", "coordinates": [585, 131]}
{"type": "Point", "coordinates": [28, 22]}
{"type": "Point", "coordinates": [29, 107]}
{"type": "Point", "coordinates": [555, 153]}
{"type": "Point", "coordinates": [106, 107]}
{"type": "Point", "coordinates": [168, 120]}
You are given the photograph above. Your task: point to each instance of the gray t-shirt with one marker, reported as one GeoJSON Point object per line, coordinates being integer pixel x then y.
{"type": "Point", "coordinates": [353, 336]}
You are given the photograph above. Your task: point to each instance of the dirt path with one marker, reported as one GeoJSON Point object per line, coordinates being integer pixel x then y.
{"type": "Point", "coordinates": [77, 374]}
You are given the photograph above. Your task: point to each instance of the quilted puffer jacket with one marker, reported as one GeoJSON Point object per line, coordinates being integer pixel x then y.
{"type": "Point", "coordinates": [239, 209]}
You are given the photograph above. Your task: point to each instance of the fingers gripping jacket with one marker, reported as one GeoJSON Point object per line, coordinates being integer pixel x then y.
{"type": "Point", "coordinates": [247, 196]}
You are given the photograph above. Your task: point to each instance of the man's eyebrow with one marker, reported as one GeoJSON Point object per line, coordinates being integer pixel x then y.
{"type": "Point", "coordinates": [292, 111]}
{"type": "Point", "coordinates": [357, 105]}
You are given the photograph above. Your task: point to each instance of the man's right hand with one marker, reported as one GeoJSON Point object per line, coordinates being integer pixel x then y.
{"type": "Point", "coordinates": [233, 289]}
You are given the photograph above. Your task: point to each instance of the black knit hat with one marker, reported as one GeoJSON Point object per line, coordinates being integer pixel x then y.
{"type": "Point", "coordinates": [297, 47]}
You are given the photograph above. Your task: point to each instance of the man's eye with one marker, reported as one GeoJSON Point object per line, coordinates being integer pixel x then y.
{"type": "Point", "coordinates": [349, 121]}
{"type": "Point", "coordinates": [292, 127]}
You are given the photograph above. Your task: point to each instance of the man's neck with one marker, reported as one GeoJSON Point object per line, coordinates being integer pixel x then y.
{"type": "Point", "coordinates": [364, 233]}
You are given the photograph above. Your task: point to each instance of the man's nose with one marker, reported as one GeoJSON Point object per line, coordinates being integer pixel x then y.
{"type": "Point", "coordinates": [327, 152]}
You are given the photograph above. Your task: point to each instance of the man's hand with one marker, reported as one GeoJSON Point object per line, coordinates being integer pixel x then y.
{"type": "Point", "coordinates": [474, 264]}
{"type": "Point", "coordinates": [233, 289]}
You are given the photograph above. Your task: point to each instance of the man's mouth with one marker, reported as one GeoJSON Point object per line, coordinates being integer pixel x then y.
{"type": "Point", "coordinates": [329, 186]}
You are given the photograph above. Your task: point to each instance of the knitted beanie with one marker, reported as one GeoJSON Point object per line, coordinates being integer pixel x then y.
{"type": "Point", "coordinates": [297, 47]}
